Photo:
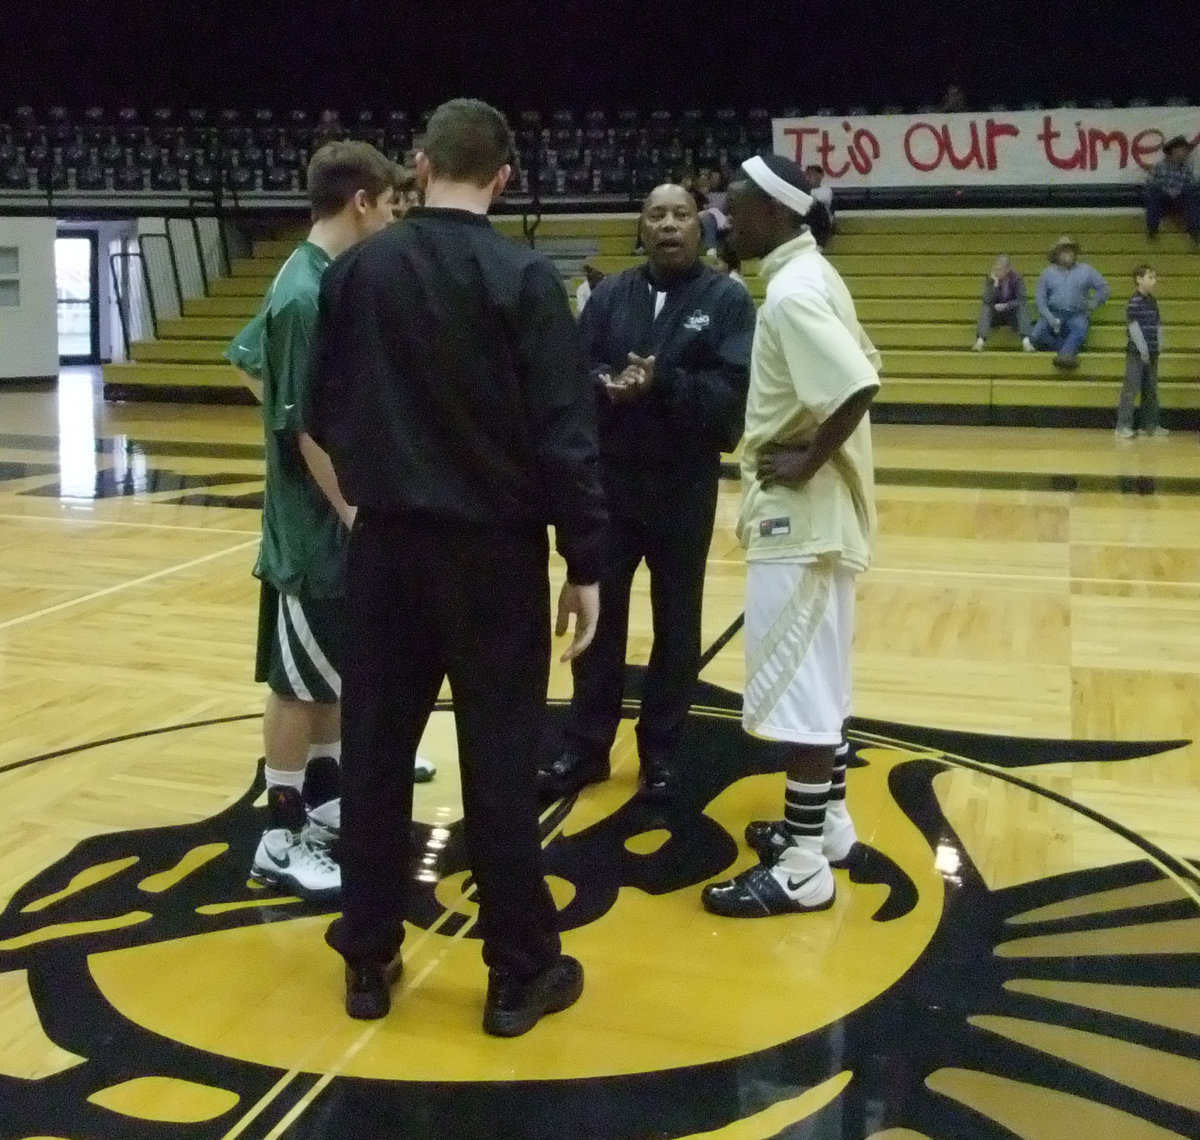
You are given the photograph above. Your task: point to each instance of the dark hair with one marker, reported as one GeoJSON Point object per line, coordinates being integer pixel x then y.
{"type": "Point", "coordinates": [814, 166]}
{"type": "Point", "coordinates": [728, 254]}
{"type": "Point", "coordinates": [468, 140]}
{"type": "Point", "coordinates": [1142, 270]}
{"type": "Point", "coordinates": [818, 218]}
{"type": "Point", "coordinates": [339, 170]}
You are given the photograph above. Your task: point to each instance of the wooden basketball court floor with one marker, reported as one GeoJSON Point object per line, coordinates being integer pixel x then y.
{"type": "Point", "coordinates": [1020, 956]}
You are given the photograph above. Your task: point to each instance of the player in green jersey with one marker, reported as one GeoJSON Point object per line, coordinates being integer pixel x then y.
{"type": "Point", "coordinates": [306, 523]}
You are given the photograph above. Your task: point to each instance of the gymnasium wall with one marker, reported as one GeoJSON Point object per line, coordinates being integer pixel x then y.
{"type": "Point", "coordinates": [28, 313]}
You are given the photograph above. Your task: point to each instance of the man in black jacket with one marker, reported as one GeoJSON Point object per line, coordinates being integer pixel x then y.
{"type": "Point", "coordinates": [452, 396]}
{"type": "Point", "coordinates": [669, 349]}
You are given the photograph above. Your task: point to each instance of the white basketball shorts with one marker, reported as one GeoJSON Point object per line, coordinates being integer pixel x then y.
{"type": "Point", "coordinates": [799, 632]}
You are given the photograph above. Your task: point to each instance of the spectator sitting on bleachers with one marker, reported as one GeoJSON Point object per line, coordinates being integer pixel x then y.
{"type": "Point", "coordinates": [1067, 294]}
{"type": "Point", "coordinates": [1172, 188]}
{"type": "Point", "coordinates": [729, 263]}
{"type": "Point", "coordinates": [712, 183]}
{"type": "Point", "coordinates": [591, 278]}
{"type": "Point", "coordinates": [408, 193]}
{"type": "Point", "coordinates": [953, 101]}
{"type": "Point", "coordinates": [1006, 302]}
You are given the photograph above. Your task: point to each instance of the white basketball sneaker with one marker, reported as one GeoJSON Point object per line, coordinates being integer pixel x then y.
{"type": "Point", "coordinates": [290, 862]}
{"type": "Point", "coordinates": [324, 825]}
{"type": "Point", "coordinates": [424, 770]}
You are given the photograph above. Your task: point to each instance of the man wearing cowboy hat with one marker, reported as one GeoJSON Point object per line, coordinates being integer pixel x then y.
{"type": "Point", "coordinates": [1068, 292]}
{"type": "Point", "coordinates": [1172, 188]}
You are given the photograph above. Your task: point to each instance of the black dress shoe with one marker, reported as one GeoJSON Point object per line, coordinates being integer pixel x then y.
{"type": "Point", "coordinates": [755, 893]}
{"type": "Point", "coordinates": [369, 988]}
{"type": "Point", "coordinates": [571, 772]}
{"type": "Point", "coordinates": [768, 839]}
{"type": "Point", "coordinates": [658, 783]}
{"type": "Point", "coordinates": [515, 1007]}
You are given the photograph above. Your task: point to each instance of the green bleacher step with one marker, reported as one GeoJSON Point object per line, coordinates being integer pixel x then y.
{"type": "Point", "coordinates": [965, 311]}
{"type": "Point", "coordinates": [178, 351]}
{"type": "Point", "coordinates": [1103, 338]}
{"type": "Point", "coordinates": [172, 375]}
{"type": "Point", "coordinates": [201, 328]}
{"type": "Point", "coordinates": [986, 246]}
{"type": "Point", "coordinates": [1031, 365]}
{"type": "Point", "coordinates": [244, 307]}
{"type": "Point", "coordinates": [1050, 222]}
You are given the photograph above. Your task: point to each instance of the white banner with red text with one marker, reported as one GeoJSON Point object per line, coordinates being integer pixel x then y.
{"type": "Point", "coordinates": [996, 148]}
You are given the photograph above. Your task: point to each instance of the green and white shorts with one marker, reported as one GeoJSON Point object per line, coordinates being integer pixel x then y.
{"type": "Point", "coordinates": [300, 645]}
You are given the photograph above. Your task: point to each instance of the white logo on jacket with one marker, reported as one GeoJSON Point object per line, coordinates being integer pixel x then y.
{"type": "Point", "coordinates": [698, 321]}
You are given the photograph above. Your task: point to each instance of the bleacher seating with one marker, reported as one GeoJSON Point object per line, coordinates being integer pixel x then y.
{"type": "Point", "coordinates": [916, 281]}
{"type": "Point", "coordinates": [165, 151]}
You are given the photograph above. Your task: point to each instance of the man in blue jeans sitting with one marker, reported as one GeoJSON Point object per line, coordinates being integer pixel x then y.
{"type": "Point", "coordinates": [1068, 292]}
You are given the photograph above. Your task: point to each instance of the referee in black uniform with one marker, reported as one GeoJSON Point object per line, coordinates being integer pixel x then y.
{"type": "Point", "coordinates": [669, 353]}
{"type": "Point", "coordinates": [451, 392]}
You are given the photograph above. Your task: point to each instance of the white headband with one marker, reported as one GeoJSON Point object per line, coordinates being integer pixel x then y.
{"type": "Point", "coordinates": [766, 179]}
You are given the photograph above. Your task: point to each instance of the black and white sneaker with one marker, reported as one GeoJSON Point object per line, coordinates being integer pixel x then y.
{"type": "Point", "coordinates": [762, 891]}
{"type": "Point", "coordinates": [769, 839]}
{"type": "Point", "coordinates": [324, 826]}
{"type": "Point", "coordinates": [287, 861]}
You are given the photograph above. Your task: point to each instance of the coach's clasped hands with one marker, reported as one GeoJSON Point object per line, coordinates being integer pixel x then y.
{"type": "Point", "coordinates": [633, 382]}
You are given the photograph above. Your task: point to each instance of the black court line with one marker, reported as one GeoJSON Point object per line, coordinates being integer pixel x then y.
{"type": "Point", "coordinates": [165, 447]}
{"type": "Point", "coordinates": [126, 737]}
{"type": "Point", "coordinates": [1039, 481]}
{"type": "Point", "coordinates": [1180, 866]}
{"type": "Point", "coordinates": [707, 656]}
{"type": "Point", "coordinates": [730, 472]}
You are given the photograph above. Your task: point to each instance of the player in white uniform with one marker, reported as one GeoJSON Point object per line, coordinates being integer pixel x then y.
{"type": "Point", "coordinates": [807, 523]}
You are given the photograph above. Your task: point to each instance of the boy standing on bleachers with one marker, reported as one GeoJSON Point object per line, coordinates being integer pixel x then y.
{"type": "Point", "coordinates": [1141, 357]}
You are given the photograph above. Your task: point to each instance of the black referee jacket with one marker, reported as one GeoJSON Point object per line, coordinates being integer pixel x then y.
{"type": "Point", "coordinates": [450, 381]}
{"type": "Point", "coordinates": [701, 342]}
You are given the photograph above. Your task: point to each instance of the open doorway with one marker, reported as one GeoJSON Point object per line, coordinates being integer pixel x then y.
{"type": "Point", "coordinates": [77, 275]}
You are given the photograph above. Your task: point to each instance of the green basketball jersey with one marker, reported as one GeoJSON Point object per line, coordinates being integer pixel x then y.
{"type": "Point", "coordinates": [245, 351]}
{"type": "Point", "coordinates": [303, 541]}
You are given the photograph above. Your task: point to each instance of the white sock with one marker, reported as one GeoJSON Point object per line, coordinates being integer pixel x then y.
{"type": "Point", "coordinates": [334, 749]}
{"type": "Point", "coordinates": [837, 812]}
{"type": "Point", "coordinates": [284, 778]}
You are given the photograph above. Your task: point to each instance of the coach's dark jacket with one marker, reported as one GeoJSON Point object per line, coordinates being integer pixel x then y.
{"type": "Point", "coordinates": [701, 343]}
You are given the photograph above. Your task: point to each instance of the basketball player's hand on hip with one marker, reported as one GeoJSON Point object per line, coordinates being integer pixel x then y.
{"type": "Point", "coordinates": [582, 603]}
{"type": "Point", "coordinates": [785, 466]}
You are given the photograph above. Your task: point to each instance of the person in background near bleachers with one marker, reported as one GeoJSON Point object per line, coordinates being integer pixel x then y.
{"type": "Point", "coordinates": [953, 101]}
{"type": "Point", "coordinates": [1068, 292]}
{"type": "Point", "coordinates": [591, 278]}
{"type": "Point", "coordinates": [1006, 302]}
{"type": "Point", "coordinates": [823, 194]}
{"type": "Point", "coordinates": [714, 223]}
{"type": "Point", "coordinates": [668, 345]}
{"type": "Point", "coordinates": [1141, 358]}
{"type": "Point", "coordinates": [718, 194]}
{"type": "Point", "coordinates": [1172, 189]}
{"type": "Point", "coordinates": [729, 263]}
{"type": "Point", "coordinates": [408, 194]}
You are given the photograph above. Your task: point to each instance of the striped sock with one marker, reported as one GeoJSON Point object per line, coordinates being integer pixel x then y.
{"type": "Point", "coordinates": [804, 813]}
{"type": "Point", "coordinates": [837, 789]}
